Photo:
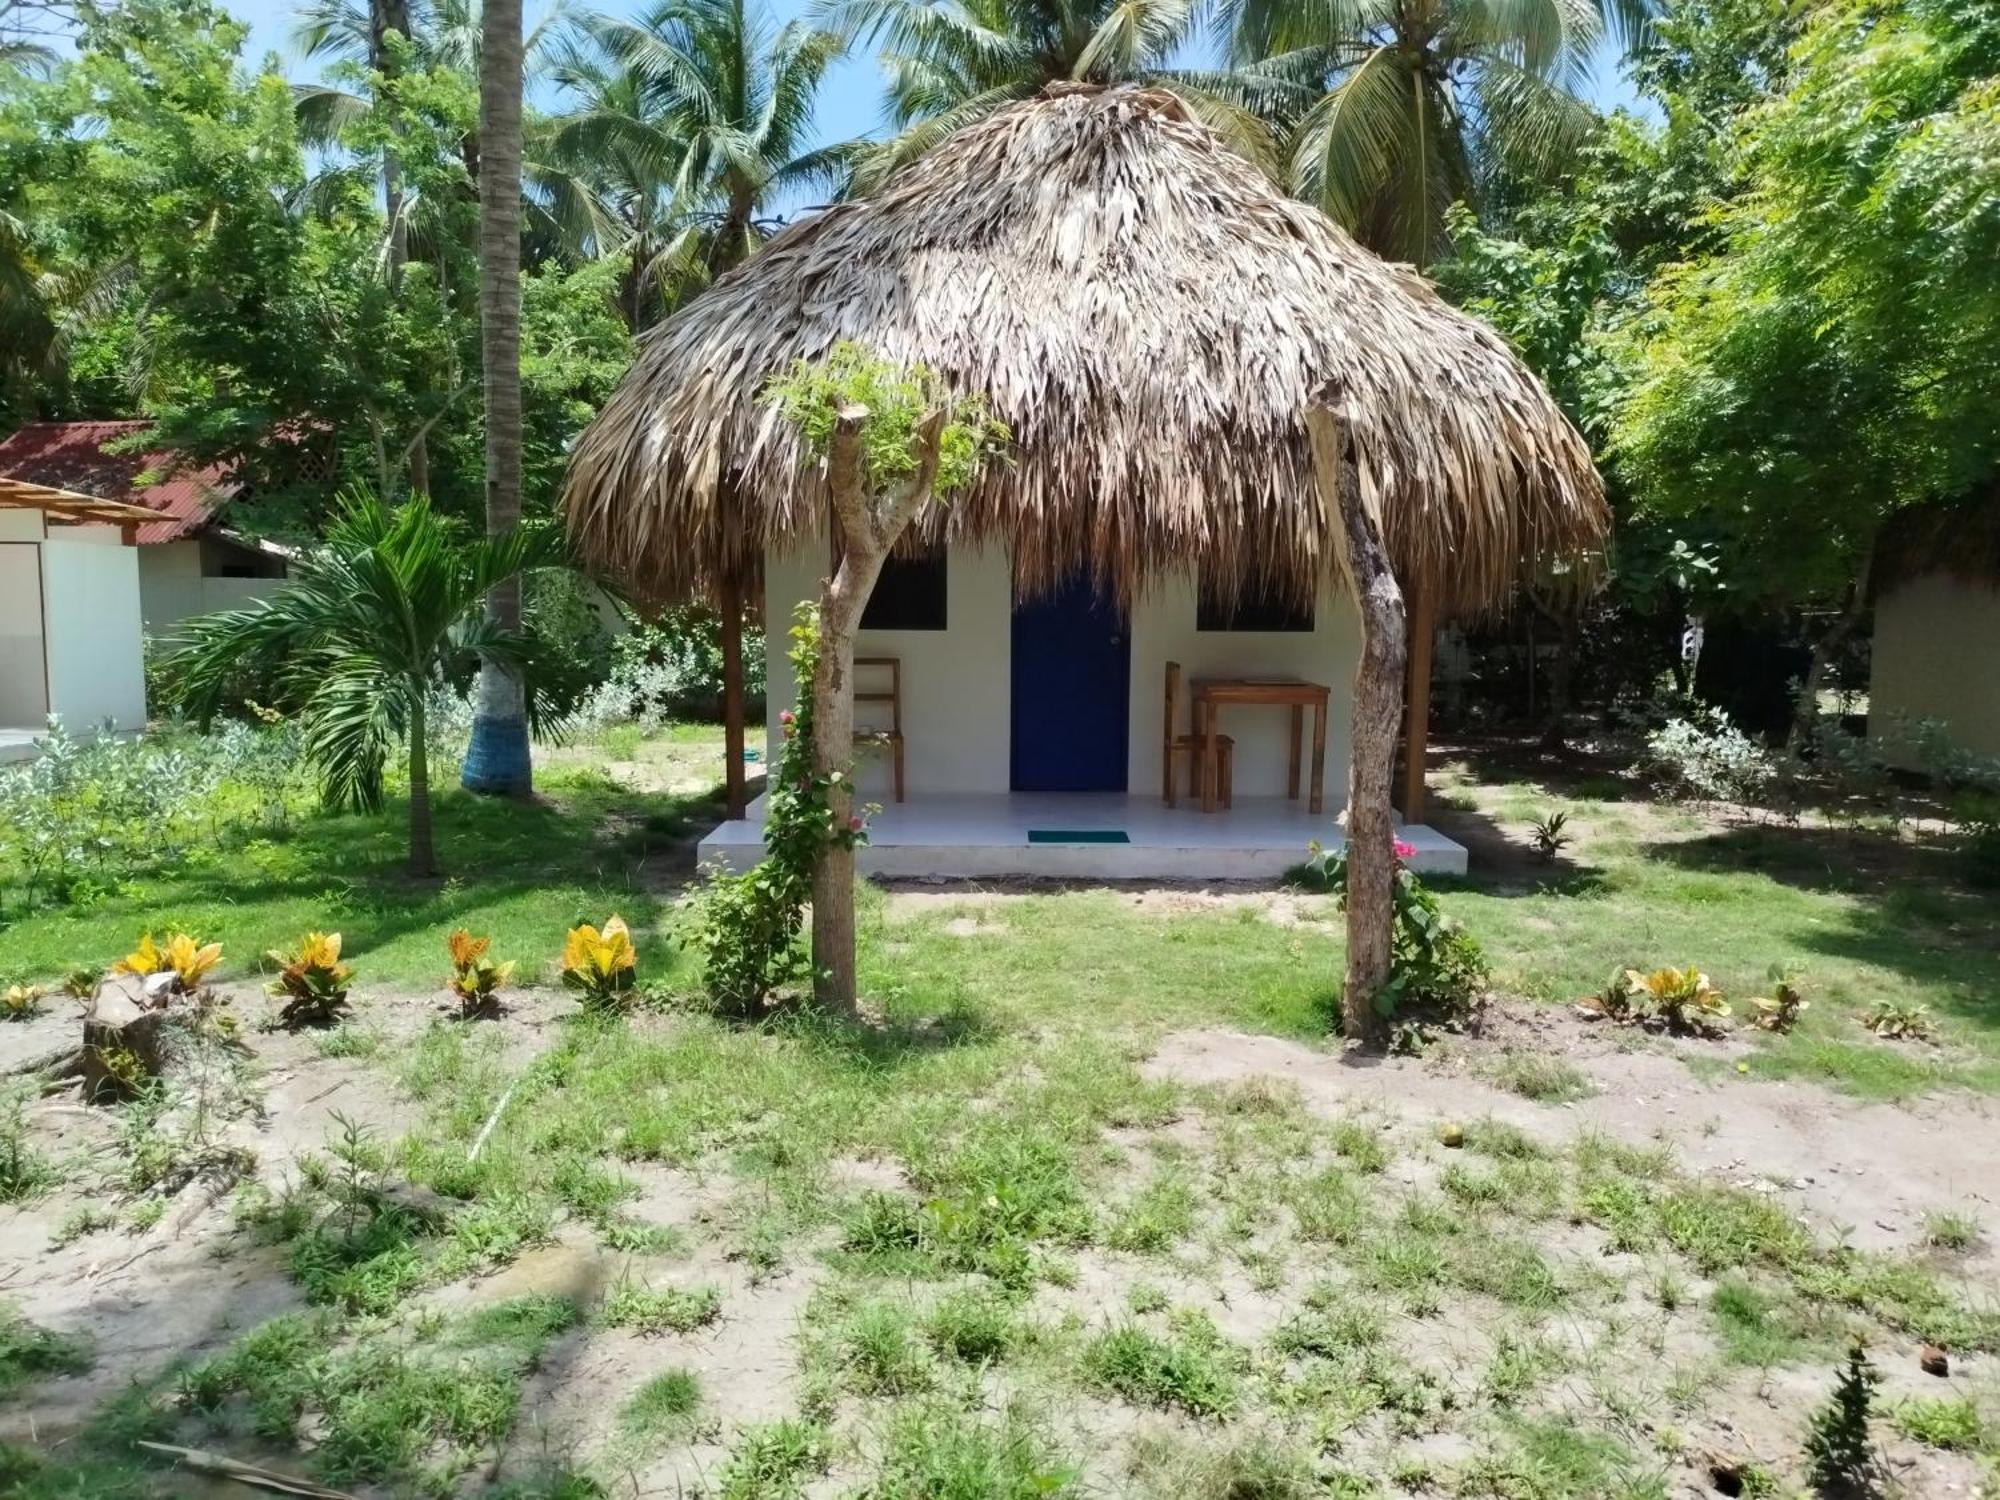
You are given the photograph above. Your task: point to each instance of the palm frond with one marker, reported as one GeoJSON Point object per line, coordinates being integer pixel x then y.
{"type": "Point", "coordinates": [1347, 143]}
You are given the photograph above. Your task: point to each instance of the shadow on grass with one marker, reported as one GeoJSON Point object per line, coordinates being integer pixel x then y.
{"type": "Point", "coordinates": [1564, 772]}
{"type": "Point", "coordinates": [867, 1044]}
{"type": "Point", "coordinates": [1502, 864]}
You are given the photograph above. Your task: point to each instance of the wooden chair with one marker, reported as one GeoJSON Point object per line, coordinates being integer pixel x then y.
{"type": "Point", "coordinates": [1175, 744]}
{"type": "Point", "coordinates": [891, 737]}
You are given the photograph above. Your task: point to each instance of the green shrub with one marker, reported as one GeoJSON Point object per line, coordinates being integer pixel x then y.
{"type": "Point", "coordinates": [1434, 963]}
{"type": "Point", "coordinates": [745, 928]}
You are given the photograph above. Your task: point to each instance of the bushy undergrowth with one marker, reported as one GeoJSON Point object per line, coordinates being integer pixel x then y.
{"type": "Point", "coordinates": [91, 808]}
{"type": "Point", "coordinates": [1704, 755]}
{"type": "Point", "coordinates": [671, 668]}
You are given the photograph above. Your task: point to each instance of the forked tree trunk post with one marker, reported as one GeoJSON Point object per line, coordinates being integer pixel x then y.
{"type": "Point", "coordinates": [1378, 682]}
{"type": "Point", "coordinates": [868, 527]}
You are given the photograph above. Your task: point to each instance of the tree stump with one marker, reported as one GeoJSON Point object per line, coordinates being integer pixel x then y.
{"type": "Point", "coordinates": [124, 1034]}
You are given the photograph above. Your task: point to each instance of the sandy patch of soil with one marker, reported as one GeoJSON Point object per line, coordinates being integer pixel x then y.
{"type": "Point", "coordinates": [1864, 1170]}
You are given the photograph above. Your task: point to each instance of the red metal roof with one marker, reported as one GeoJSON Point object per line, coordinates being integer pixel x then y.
{"type": "Point", "coordinates": [71, 456]}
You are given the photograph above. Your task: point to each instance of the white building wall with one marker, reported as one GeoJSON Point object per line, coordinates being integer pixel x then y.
{"type": "Point", "coordinates": [20, 525]}
{"type": "Point", "coordinates": [956, 682]}
{"type": "Point", "coordinates": [1936, 656]}
{"type": "Point", "coordinates": [1163, 630]}
{"type": "Point", "coordinates": [90, 594]}
{"type": "Point", "coordinates": [172, 587]}
{"type": "Point", "coordinates": [24, 702]}
{"type": "Point", "coordinates": [169, 583]}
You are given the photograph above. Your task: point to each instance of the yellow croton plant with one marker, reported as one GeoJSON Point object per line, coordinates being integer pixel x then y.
{"type": "Point", "coordinates": [182, 956]}
{"type": "Point", "coordinates": [473, 973]}
{"type": "Point", "coordinates": [600, 964]}
{"type": "Point", "coordinates": [318, 954]}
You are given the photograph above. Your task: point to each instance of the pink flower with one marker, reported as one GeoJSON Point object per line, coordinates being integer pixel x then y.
{"type": "Point", "coordinates": [1405, 851]}
{"type": "Point", "coordinates": [854, 825]}
{"type": "Point", "coordinates": [786, 716]}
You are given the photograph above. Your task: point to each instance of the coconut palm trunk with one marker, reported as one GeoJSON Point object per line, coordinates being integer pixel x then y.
{"type": "Point", "coordinates": [385, 16]}
{"type": "Point", "coordinates": [423, 842]}
{"type": "Point", "coordinates": [498, 760]}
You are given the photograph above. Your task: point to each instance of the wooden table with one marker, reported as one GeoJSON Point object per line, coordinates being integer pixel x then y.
{"type": "Point", "coordinates": [1210, 694]}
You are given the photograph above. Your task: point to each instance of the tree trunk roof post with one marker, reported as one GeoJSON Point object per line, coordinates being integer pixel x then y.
{"type": "Point", "coordinates": [1150, 317]}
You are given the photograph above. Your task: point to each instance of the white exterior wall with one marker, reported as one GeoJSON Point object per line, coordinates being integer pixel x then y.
{"type": "Point", "coordinates": [955, 698]}
{"type": "Point", "coordinates": [172, 587]}
{"type": "Point", "coordinates": [20, 525]}
{"type": "Point", "coordinates": [957, 681]}
{"type": "Point", "coordinates": [24, 702]}
{"type": "Point", "coordinates": [1163, 630]}
{"type": "Point", "coordinates": [1936, 656]}
{"type": "Point", "coordinates": [90, 594]}
{"type": "Point", "coordinates": [169, 583]}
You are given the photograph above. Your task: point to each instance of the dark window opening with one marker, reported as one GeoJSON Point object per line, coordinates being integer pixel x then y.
{"type": "Point", "coordinates": [910, 594]}
{"type": "Point", "coordinates": [1256, 607]}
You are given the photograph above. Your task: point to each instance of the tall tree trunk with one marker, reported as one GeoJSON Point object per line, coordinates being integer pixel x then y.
{"type": "Point", "coordinates": [423, 848]}
{"type": "Point", "coordinates": [866, 534]}
{"type": "Point", "coordinates": [1805, 713]}
{"type": "Point", "coordinates": [385, 16]}
{"type": "Point", "coordinates": [1378, 681]}
{"type": "Point", "coordinates": [725, 251]}
{"type": "Point", "coordinates": [498, 758]}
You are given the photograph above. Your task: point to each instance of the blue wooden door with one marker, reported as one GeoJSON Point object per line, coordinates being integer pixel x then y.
{"type": "Point", "coordinates": [1072, 685]}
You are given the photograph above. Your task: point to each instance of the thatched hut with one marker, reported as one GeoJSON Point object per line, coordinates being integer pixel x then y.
{"type": "Point", "coordinates": [1150, 316]}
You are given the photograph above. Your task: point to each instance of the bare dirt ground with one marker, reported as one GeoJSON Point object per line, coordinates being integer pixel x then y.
{"type": "Point", "coordinates": [1864, 1172]}
{"type": "Point", "coordinates": [190, 1281]}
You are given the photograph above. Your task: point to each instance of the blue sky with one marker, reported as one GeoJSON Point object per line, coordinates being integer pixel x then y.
{"type": "Point", "coordinates": [850, 104]}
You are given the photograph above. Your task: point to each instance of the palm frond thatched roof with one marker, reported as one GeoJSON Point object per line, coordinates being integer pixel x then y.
{"type": "Point", "coordinates": [1150, 317]}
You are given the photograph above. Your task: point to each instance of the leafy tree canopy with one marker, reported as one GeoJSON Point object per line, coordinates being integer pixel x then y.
{"type": "Point", "coordinates": [1835, 356]}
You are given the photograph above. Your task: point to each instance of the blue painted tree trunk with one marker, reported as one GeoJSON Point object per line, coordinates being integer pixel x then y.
{"type": "Point", "coordinates": [498, 761]}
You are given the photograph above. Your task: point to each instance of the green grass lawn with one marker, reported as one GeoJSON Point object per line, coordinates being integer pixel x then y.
{"type": "Point", "coordinates": [1862, 916]}
{"type": "Point", "coordinates": [525, 871]}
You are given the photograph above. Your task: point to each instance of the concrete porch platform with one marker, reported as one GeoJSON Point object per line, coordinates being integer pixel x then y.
{"type": "Point", "coordinates": [981, 837]}
{"type": "Point", "coordinates": [18, 744]}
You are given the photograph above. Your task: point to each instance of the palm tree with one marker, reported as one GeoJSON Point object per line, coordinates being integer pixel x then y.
{"type": "Point", "coordinates": [368, 627]}
{"type": "Point", "coordinates": [607, 172]}
{"type": "Point", "coordinates": [498, 759]}
{"type": "Point", "coordinates": [730, 95]}
{"type": "Point", "coordinates": [951, 62]}
{"type": "Point", "coordinates": [1401, 108]}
